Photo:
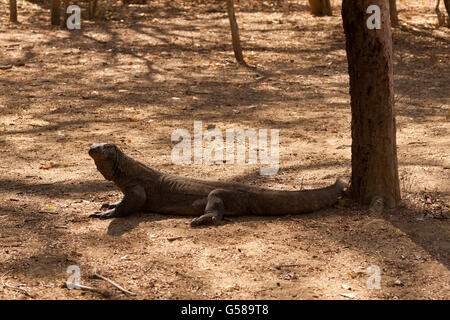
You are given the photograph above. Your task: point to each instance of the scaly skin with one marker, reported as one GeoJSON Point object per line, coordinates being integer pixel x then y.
{"type": "Point", "coordinates": [146, 189]}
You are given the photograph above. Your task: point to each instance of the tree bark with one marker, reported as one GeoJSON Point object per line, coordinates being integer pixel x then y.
{"type": "Point", "coordinates": [393, 12]}
{"type": "Point", "coordinates": [235, 33]}
{"type": "Point", "coordinates": [55, 12]}
{"type": "Point", "coordinates": [13, 11]}
{"type": "Point", "coordinates": [447, 7]}
{"type": "Point", "coordinates": [65, 14]}
{"type": "Point", "coordinates": [441, 16]}
{"type": "Point", "coordinates": [320, 7]}
{"type": "Point", "coordinates": [92, 9]}
{"type": "Point", "coordinates": [374, 150]}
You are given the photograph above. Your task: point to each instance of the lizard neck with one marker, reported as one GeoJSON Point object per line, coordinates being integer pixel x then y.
{"type": "Point", "coordinates": [128, 171]}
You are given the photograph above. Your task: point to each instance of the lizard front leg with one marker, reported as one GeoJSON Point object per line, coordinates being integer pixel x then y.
{"type": "Point", "coordinates": [133, 201]}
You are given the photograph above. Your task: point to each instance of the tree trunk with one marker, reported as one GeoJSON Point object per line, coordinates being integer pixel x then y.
{"type": "Point", "coordinates": [13, 11]}
{"type": "Point", "coordinates": [55, 20]}
{"type": "Point", "coordinates": [393, 12]}
{"type": "Point", "coordinates": [92, 9]}
{"type": "Point", "coordinates": [374, 150]}
{"type": "Point", "coordinates": [447, 7]}
{"type": "Point", "coordinates": [320, 7]}
{"type": "Point", "coordinates": [441, 16]}
{"type": "Point", "coordinates": [64, 13]}
{"type": "Point", "coordinates": [235, 33]}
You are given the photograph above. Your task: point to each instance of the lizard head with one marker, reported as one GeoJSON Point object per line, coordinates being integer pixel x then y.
{"type": "Point", "coordinates": [105, 156]}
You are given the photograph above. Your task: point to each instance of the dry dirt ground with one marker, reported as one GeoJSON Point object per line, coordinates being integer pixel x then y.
{"type": "Point", "coordinates": [142, 71]}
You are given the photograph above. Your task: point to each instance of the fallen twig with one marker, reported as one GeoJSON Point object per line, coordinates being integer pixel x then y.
{"type": "Point", "coordinates": [6, 285]}
{"type": "Point", "coordinates": [96, 275]}
{"type": "Point", "coordinates": [86, 288]}
{"type": "Point", "coordinates": [287, 266]}
{"type": "Point", "coordinates": [177, 238]}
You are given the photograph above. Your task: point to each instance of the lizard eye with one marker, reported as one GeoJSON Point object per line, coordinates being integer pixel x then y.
{"type": "Point", "coordinates": [109, 148]}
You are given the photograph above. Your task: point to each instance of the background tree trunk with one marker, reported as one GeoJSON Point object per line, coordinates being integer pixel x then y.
{"type": "Point", "coordinates": [442, 19]}
{"type": "Point", "coordinates": [55, 12]}
{"type": "Point", "coordinates": [374, 150]}
{"type": "Point", "coordinates": [92, 9]}
{"type": "Point", "coordinates": [64, 13]}
{"type": "Point", "coordinates": [320, 7]}
{"type": "Point", "coordinates": [13, 11]}
{"type": "Point", "coordinates": [447, 7]}
{"type": "Point", "coordinates": [393, 12]}
{"type": "Point", "coordinates": [235, 33]}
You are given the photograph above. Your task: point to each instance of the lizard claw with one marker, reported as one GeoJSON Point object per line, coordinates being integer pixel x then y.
{"type": "Point", "coordinates": [194, 222]}
{"type": "Point", "coordinates": [108, 206]}
{"type": "Point", "coordinates": [204, 219]}
{"type": "Point", "coordinates": [103, 215]}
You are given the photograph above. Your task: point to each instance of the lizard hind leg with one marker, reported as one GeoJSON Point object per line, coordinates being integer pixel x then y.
{"type": "Point", "coordinates": [213, 211]}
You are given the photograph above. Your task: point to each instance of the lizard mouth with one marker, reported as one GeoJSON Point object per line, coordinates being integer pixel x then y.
{"type": "Point", "coordinates": [93, 149]}
{"type": "Point", "coordinates": [97, 149]}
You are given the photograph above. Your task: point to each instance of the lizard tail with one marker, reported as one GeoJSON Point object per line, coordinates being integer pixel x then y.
{"type": "Point", "coordinates": [340, 184]}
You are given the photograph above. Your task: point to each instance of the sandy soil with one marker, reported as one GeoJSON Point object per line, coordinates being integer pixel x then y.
{"type": "Point", "coordinates": [143, 71]}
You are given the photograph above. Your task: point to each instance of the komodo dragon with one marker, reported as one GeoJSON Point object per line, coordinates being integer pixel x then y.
{"type": "Point", "coordinates": [149, 190]}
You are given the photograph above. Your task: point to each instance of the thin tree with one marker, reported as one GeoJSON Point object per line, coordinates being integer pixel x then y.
{"type": "Point", "coordinates": [440, 15]}
{"type": "Point", "coordinates": [13, 11]}
{"type": "Point", "coordinates": [394, 13]}
{"type": "Point", "coordinates": [235, 33]}
{"type": "Point", "coordinates": [320, 7]}
{"type": "Point", "coordinates": [92, 9]}
{"type": "Point", "coordinates": [65, 5]}
{"type": "Point", "coordinates": [447, 7]}
{"type": "Point", "coordinates": [374, 151]}
{"type": "Point", "coordinates": [55, 12]}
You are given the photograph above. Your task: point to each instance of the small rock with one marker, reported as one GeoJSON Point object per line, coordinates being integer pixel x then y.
{"type": "Point", "coordinates": [398, 282]}
{"type": "Point", "coordinates": [346, 287]}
